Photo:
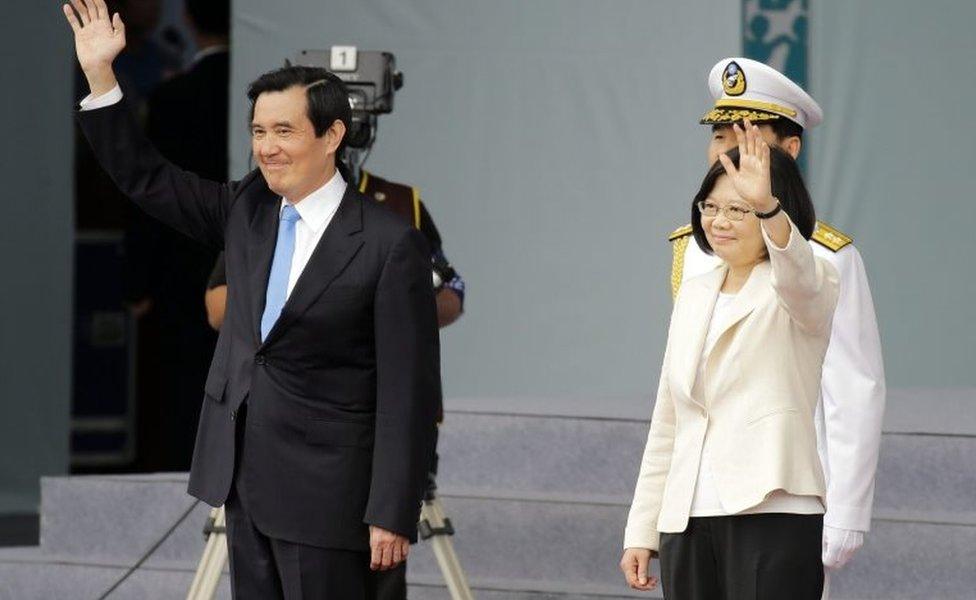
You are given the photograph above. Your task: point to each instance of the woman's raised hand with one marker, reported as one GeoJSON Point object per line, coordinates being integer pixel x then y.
{"type": "Point", "coordinates": [751, 179]}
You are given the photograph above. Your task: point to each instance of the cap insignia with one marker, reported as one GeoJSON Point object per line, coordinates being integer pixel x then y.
{"type": "Point", "coordinates": [734, 79]}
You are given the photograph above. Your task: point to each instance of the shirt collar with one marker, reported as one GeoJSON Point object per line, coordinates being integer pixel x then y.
{"type": "Point", "coordinates": [316, 208]}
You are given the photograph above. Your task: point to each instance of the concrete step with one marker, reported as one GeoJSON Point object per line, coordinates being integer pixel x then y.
{"type": "Point", "coordinates": [111, 518]}
{"type": "Point", "coordinates": [29, 574]}
{"type": "Point", "coordinates": [548, 539]}
{"type": "Point", "coordinates": [946, 411]}
{"type": "Point", "coordinates": [48, 580]}
{"type": "Point", "coordinates": [433, 588]}
{"type": "Point", "coordinates": [579, 544]}
{"type": "Point", "coordinates": [539, 503]}
{"type": "Point", "coordinates": [921, 478]}
{"type": "Point", "coordinates": [44, 581]}
{"type": "Point", "coordinates": [925, 472]}
{"type": "Point", "coordinates": [599, 458]}
{"type": "Point", "coordinates": [911, 560]}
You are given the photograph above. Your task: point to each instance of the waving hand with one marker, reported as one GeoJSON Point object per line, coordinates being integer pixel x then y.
{"type": "Point", "coordinates": [751, 179]}
{"type": "Point", "coordinates": [99, 38]}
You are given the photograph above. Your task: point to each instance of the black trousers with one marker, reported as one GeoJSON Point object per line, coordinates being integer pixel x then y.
{"type": "Point", "coordinates": [390, 585]}
{"type": "Point", "coordinates": [265, 568]}
{"type": "Point", "coordinates": [769, 556]}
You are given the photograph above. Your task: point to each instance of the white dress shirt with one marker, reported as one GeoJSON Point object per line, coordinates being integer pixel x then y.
{"type": "Point", "coordinates": [109, 98]}
{"type": "Point", "coordinates": [316, 211]}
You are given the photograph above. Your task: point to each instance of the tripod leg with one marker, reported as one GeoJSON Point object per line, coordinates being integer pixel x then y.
{"type": "Point", "coordinates": [212, 562]}
{"type": "Point", "coordinates": [219, 558]}
{"type": "Point", "coordinates": [461, 589]}
{"type": "Point", "coordinates": [457, 583]}
{"type": "Point", "coordinates": [204, 563]}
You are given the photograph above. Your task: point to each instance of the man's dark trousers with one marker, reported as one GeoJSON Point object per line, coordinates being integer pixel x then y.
{"type": "Point", "coordinates": [264, 568]}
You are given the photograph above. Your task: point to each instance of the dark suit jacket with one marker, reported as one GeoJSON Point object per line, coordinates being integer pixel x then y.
{"type": "Point", "coordinates": [341, 396]}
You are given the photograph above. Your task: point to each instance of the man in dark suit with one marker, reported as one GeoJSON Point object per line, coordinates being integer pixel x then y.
{"type": "Point", "coordinates": [319, 414]}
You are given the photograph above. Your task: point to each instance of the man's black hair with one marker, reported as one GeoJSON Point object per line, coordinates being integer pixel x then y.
{"type": "Point", "coordinates": [327, 96]}
{"type": "Point", "coordinates": [782, 127]}
{"type": "Point", "coordinates": [787, 185]}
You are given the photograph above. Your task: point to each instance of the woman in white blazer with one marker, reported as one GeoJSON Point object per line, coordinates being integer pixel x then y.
{"type": "Point", "coordinates": [730, 494]}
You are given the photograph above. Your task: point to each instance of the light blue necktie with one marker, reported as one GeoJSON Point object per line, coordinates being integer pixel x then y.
{"type": "Point", "coordinates": [277, 292]}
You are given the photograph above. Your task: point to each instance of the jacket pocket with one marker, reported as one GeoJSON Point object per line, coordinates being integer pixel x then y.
{"type": "Point", "coordinates": [339, 433]}
{"type": "Point", "coordinates": [769, 411]}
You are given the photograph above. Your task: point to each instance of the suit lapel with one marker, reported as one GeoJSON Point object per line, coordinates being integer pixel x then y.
{"type": "Point", "coordinates": [340, 242]}
{"type": "Point", "coordinates": [261, 247]}
{"type": "Point", "coordinates": [746, 299]}
{"type": "Point", "coordinates": [695, 319]}
{"type": "Point", "coordinates": [697, 316]}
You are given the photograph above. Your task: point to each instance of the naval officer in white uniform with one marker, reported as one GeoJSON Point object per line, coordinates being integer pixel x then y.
{"type": "Point", "coordinates": [852, 403]}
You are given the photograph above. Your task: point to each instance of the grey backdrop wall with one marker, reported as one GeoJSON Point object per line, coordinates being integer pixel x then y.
{"type": "Point", "coordinates": [556, 143]}
{"type": "Point", "coordinates": [36, 235]}
{"type": "Point", "coordinates": [893, 164]}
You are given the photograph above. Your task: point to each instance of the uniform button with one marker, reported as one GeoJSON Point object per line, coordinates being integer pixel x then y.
{"type": "Point", "coordinates": [233, 414]}
{"type": "Point", "coordinates": [259, 359]}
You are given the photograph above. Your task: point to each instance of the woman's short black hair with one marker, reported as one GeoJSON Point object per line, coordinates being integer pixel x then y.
{"type": "Point", "coordinates": [328, 98]}
{"type": "Point", "coordinates": [787, 186]}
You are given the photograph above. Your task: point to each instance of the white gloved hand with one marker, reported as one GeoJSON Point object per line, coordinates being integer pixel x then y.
{"type": "Point", "coordinates": [839, 545]}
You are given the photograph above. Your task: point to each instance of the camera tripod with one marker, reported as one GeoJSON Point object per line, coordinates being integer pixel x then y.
{"type": "Point", "coordinates": [434, 525]}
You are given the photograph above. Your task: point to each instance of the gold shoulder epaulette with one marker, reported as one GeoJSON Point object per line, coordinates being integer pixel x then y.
{"type": "Point", "coordinates": [403, 199]}
{"type": "Point", "coordinates": [830, 238]}
{"type": "Point", "coordinates": [683, 231]}
{"type": "Point", "coordinates": [679, 239]}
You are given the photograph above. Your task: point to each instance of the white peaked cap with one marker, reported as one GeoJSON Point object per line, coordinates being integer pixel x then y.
{"type": "Point", "coordinates": [745, 88]}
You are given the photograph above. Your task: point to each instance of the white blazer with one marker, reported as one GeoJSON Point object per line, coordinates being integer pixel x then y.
{"type": "Point", "coordinates": [852, 391]}
{"type": "Point", "coordinates": [761, 389]}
